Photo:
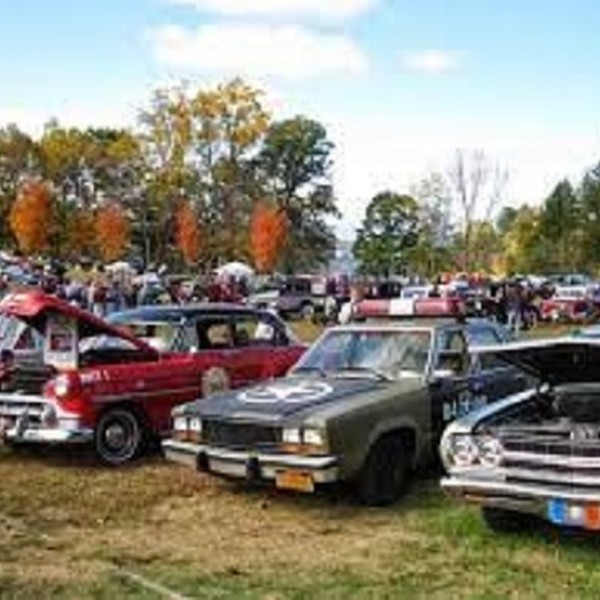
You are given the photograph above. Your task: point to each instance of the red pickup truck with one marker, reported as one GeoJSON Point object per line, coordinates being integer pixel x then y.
{"type": "Point", "coordinates": [99, 384]}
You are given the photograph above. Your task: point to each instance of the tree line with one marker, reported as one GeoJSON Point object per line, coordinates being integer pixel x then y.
{"type": "Point", "coordinates": [456, 221]}
{"type": "Point", "coordinates": [204, 177]}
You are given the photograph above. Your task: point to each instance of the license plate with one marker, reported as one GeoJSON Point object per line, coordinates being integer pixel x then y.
{"type": "Point", "coordinates": [573, 514]}
{"type": "Point", "coordinates": [298, 481]}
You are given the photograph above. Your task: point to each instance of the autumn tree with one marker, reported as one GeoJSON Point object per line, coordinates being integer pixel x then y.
{"type": "Point", "coordinates": [30, 216]}
{"type": "Point", "coordinates": [187, 233]}
{"type": "Point", "coordinates": [228, 125]}
{"type": "Point", "coordinates": [112, 231]}
{"type": "Point", "coordinates": [295, 163]}
{"type": "Point", "coordinates": [268, 232]}
{"type": "Point", "coordinates": [18, 159]}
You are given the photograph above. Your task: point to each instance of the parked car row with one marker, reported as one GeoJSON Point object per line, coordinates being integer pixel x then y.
{"type": "Point", "coordinates": [366, 405]}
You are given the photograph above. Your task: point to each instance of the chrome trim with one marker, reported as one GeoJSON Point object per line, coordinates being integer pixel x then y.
{"type": "Point", "coordinates": [568, 478]}
{"type": "Point", "coordinates": [551, 460]}
{"type": "Point", "coordinates": [49, 436]}
{"type": "Point", "coordinates": [324, 469]}
{"type": "Point", "coordinates": [490, 489]}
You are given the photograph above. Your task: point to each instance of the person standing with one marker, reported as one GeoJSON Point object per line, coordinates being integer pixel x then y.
{"type": "Point", "coordinates": [348, 309]}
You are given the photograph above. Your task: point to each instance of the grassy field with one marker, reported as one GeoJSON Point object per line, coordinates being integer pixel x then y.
{"type": "Point", "coordinates": [71, 529]}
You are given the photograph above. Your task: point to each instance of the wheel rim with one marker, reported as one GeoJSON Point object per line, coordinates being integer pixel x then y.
{"type": "Point", "coordinates": [119, 438]}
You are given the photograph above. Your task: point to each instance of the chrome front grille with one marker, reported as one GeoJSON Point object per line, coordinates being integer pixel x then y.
{"type": "Point", "coordinates": [14, 406]}
{"type": "Point", "coordinates": [552, 458]}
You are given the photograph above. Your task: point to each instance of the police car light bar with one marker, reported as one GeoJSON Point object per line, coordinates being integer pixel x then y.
{"type": "Point", "coordinates": [411, 307]}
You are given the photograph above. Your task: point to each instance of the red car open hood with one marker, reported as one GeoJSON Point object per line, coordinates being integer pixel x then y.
{"type": "Point", "coordinates": [34, 306]}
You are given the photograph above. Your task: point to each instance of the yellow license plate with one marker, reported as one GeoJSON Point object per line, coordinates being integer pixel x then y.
{"type": "Point", "coordinates": [295, 480]}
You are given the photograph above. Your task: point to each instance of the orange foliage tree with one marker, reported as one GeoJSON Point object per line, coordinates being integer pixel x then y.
{"type": "Point", "coordinates": [268, 231]}
{"type": "Point", "coordinates": [112, 231]}
{"type": "Point", "coordinates": [187, 233]}
{"type": "Point", "coordinates": [30, 216]}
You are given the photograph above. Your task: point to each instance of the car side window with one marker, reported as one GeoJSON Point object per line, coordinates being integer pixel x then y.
{"type": "Point", "coordinates": [485, 336]}
{"type": "Point", "coordinates": [214, 334]}
{"type": "Point", "coordinates": [26, 340]}
{"type": "Point", "coordinates": [452, 352]}
{"type": "Point", "coordinates": [244, 331]}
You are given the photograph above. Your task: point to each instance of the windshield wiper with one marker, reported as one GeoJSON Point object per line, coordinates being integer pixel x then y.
{"type": "Point", "coordinates": [378, 373]}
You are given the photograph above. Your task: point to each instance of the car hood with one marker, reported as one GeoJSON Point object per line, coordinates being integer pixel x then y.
{"type": "Point", "coordinates": [556, 361]}
{"type": "Point", "coordinates": [280, 398]}
{"type": "Point", "coordinates": [34, 307]}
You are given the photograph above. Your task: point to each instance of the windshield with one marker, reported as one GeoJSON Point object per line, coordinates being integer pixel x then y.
{"type": "Point", "coordinates": [392, 354]}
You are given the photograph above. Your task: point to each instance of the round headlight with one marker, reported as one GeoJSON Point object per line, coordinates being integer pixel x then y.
{"type": "Point", "coordinates": [463, 451]}
{"type": "Point", "coordinates": [61, 386]}
{"type": "Point", "coordinates": [490, 451]}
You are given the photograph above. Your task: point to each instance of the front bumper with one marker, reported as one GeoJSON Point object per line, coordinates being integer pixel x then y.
{"type": "Point", "coordinates": [67, 431]}
{"type": "Point", "coordinates": [520, 497]}
{"type": "Point", "coordinates": [249, 465]}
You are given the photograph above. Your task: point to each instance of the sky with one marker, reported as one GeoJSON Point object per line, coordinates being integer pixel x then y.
{"type": "Point", "coordinates": [400, 85]}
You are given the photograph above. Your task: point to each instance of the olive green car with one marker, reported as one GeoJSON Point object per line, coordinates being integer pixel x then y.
{"type": "Point", "coordinates": [365, 405]}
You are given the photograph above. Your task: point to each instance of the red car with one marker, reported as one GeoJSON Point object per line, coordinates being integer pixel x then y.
{"type": "Point", "coordinates": [571, 305]}
{"type": "Point", "coordinates": [98, 383]}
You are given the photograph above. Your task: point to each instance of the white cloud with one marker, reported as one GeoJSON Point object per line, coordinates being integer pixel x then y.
{"type": "Point", "coordinates": [431, 62]}
{"type": "Point", "coordinates": [284, 51]}
{"type": "Point", "coordinates": [378, 153]}
{"type": "Point", "coordinates": [283, 8]}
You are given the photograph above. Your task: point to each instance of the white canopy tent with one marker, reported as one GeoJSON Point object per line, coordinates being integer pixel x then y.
{"type": "Point", "coordinates": [236, 269]}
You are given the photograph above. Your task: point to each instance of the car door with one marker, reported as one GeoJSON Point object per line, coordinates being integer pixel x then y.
{"type": "Point", "coordinates": [450, 384]}
{"type": "Point", "coordinates": [254, 342]}
{"type": "Point", "coordinates": [491, 379]}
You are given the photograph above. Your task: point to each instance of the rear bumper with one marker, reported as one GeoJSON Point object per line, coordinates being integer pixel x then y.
{"type": "Point", "coordinates": [248, 465]}
{"type": "Point", "coordinates": [520, 497]}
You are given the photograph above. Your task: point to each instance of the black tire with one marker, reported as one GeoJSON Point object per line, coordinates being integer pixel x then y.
{"type": "Point", "coordinates": [385, 474]}
{"type": "Point", "coordinates": [118, 437]}
{"type": "Point", "coordinates": [505, 521]}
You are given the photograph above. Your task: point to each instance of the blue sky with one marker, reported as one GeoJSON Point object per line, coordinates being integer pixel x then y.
{"type": "Point", "coordinates": [399, 84]}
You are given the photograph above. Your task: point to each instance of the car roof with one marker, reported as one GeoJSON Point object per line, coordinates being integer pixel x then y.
{"type": "Point", "coordinates": [176, 312]}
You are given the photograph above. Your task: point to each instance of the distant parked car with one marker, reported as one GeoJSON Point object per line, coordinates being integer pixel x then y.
{"type": "Point", "coordinates": [572, 304]}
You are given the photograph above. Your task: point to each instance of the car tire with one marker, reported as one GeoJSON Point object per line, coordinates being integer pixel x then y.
{"type": "Point", "coordinates": [118, 437]}
{"type": "Point", "coordinates": [505, 521]}
{"type": "Point", "coordinates": [385, 474]}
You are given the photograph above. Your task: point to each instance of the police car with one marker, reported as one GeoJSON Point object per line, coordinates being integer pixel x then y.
{"type": "Point", "coordinates": [366, 404]}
